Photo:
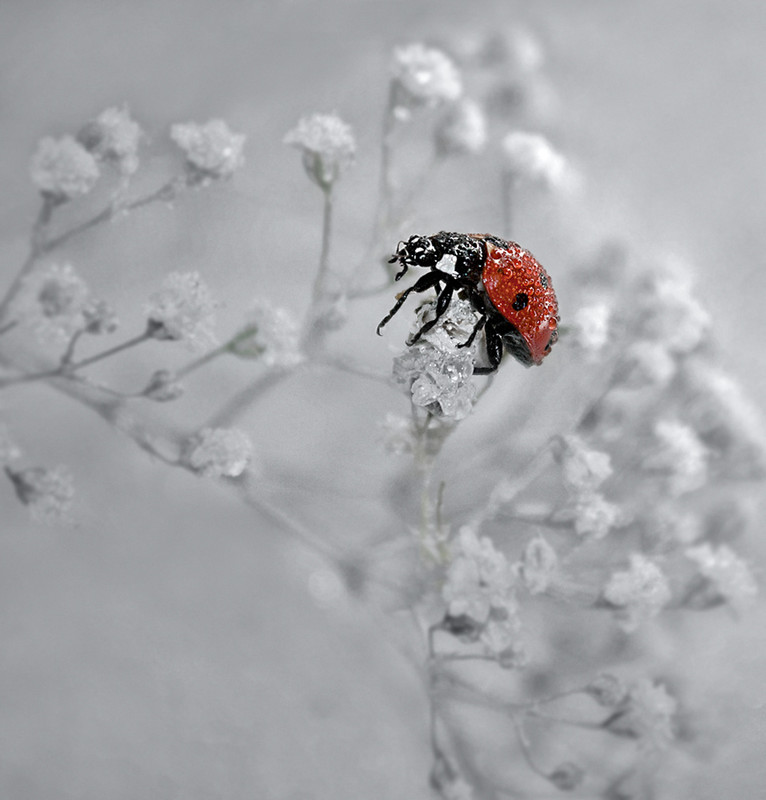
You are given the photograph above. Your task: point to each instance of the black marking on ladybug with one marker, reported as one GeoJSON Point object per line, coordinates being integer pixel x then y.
{"type": "Point", "coordinates": [520, 301]}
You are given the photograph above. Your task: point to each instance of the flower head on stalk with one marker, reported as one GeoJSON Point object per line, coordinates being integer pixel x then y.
{"type": "Point", "coordinates": [423, 76]}
{"type": "Point", "coordinates": [113, 136]}
{"type": "Point", "coordinates": [212, 150]}
{"type": "Point", "coordinates": [46, 492]}
{"type": "Point", "coordinates": [638, 593]}
{"type": "Point", "coordinates": [62, 169]}
{"type": "Point", "coordinates": [531, 157]}
{"type": "Point", "coordinates": [647, 714]}
{"type": "Point", "coordinates": [462, 129]}
{"type": "Point", "coordinates": [271, 335]}
{"type": "Point", "coordinates": [725, 578]}
{"type": "Point", "coordinates": [182, 310]}
{"type": "Point", "coordinates": [328, 147]}
{"type": "Point", "coordinates": [219, 452]}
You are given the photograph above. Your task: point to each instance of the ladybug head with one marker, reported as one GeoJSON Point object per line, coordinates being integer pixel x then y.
{"type": "Point", "coordinates": [417, 251]}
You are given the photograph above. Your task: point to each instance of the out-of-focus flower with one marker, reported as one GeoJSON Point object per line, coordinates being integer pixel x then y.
{"type": "Point", "coordinates": [501, 638]}
{"type": "Point", "coordinates": [57, 302]}
{"type": "Point", "coordinates": [219, 452]}
{"type": "Point", "coordinates": [530, 156]}
{"type": "Point", "coordinates": [212, 150]}
{"type": "Point", "coordinates": [163, 387]}
{"type": "Point", "coordinates": [727, 577]}
{"type": "Point", "coordinates": [183, 310]}
{"type": "Point", "coordinates": [638, 593]}
{"type": "Point", "coordinates": [607, 690]}
{"type": "Point", "coordinates": [62, 169]}
{"type": "Point", "coordinates": [462, 129]}
{"type": "Point", "coordinates": [113, 136]}
{"type": "Point", "coordinates": [48, 493]}
{"type": "Point", "coordinates": [328, 147]}
{"type": "Point", "coordinates": [593, 515]}
{"type": "Point", "coordinates": [99, 317]}
{"type": "Point", "coordinates": [423, 76]}
{"type": "Point", "coordinates": [538, 565]}
{"type": "Point", "coordinates": [567, 776]}
{"type": "Point", "coordinates": [583, 469]}
{"type": "Point", "coordinates": [9, 450]}
{"type": "Point", "coordinates": [271, 335]}
{"type": "Point", "coordinates": [680, 455]}
{"type": "Point", "coordinates": [591, 327]}
{"type": "Point", "coordinates": [646, 363]}
{"type": "Point", "coordinates": [646, 714]}
{"type": "Point", "coordinates": [398, 434]}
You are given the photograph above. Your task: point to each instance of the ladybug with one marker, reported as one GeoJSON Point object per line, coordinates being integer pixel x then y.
{"type": "Point", "coordinates": [504, 283]}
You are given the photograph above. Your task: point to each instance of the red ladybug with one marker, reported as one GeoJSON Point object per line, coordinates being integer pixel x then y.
{"type": "Point", "coordinates": [504, 283]}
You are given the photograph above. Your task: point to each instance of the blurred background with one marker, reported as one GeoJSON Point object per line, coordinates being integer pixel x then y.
{"type": "Point", "coordinates": [171, 644]}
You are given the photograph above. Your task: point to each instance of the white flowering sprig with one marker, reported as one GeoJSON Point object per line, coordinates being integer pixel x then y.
{"type": "Point", "coordinates": [327, 145]}
{"type": "Point", "coordinates": [113, 136]}
{"type": "Point", "coordinates": [638, 593]}
{"type": "Point", "coordinates": [212, 151]}
{"type": "Point", "coordinates": [218, 452]}
{"type": "Point", "coordinates": [48, 493]}
{"type": "Point", "coordinates": [422, 76]}
{"type": "Point", "coordinates": [182, 310]}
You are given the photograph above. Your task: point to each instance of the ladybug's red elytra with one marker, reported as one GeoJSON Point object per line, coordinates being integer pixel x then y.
{"type": "Point", "coordinates": [504, 282]}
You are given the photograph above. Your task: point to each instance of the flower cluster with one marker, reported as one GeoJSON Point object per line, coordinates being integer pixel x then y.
{"type": "Point", "coordinates": [113, 136]}
{"type": "Point", "coordinates": [48, 493]}
{"type": "Point", "coordinates": [63, 169]}
{"type": "Point", "coordinates": [183, 310]}
{"type": "Point", "coordinates": [272, 335]}
{"type": "Point", "coordinates": [638, 593]}
{"type": "Point", "coordinates": [423, 76]}
{"type": "Point", "coordinates": [212, 151]}
{"type": "Point", "coordinates": [328, 147]}
{"type": "Point", "coordinates": [219, 452]}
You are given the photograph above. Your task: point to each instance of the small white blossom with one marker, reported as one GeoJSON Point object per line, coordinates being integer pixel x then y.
{"type": "Point", "coordinates": [462, 130]}
{"type": "Point", "coordinates": [479, 579]}
{"type": "Point", "coordinates": [328, 147]}
{"type": "Point", "coordinates": [398, 434]}
{"type": "Point", "coordinates": [219, 452]}
{"type": "Point", "coordinates": [638, 593]}
{"type": "Point", "coordinates": [531, 156]}
{"type": "Point", "coordinates": [646, 363]}
{"type": "Point", "coordinates": [728, 575]}
{"type": "Point", "coordinates": [423, 76]}
{"type": "Point", "coordinates": [58, 302]}
{"type": "Point", "coordinates": [183, 310]}
{"type": "Point", "coordinates": [582, 468]}
{"type": "Point", "coordinates": [594, 516]}
{"type": "Point", "coordinates": [163, 387]}
{"type": "Point", "coordinates": [48, 493]}
{"type": "Point", "coordinates": [607, 690]}
{"type": "Point", "coordinates": [646, 714]}
{"type": "Point", "coordinates": [680, 455]}
{"type": "Point", "coordinates": [113, 136]}
{"type": "Point", "coordinates": [501, 638]}
{"type": "Point", "coordinates": [63, 169]}
{"type": "Point", "coordinates": [591, 327]}
{"type": "Point", "coordinates": [212, 150]}
{"type": "Point", "coordinates": [272, 334]}
{"type": "Point", "coordinates": [9, 450]}
{"type": "Point", "coordinates": [538, 565]}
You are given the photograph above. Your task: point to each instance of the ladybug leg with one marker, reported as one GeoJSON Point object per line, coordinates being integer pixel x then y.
{"type": "Point", "coordinates": [482, 321]}
{"type": "Point", "coordinates": [423, 284]}
{"type": "Point", "coordinates": [494, 350]}
{"type": "Point", "coordinates": [442, 304]}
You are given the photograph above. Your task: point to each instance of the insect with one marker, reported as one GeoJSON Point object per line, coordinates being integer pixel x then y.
{"type": "Point", "coordinates": [504, 283]}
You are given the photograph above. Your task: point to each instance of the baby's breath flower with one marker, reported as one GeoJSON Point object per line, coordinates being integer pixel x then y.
{"type": "Point", "coordinates": [638, 593]}
{"type": "Point", "coordinates": [646, 363]}
{"type": "Point", "coordinates": [679, 454]}
{"type": "Point", "coordinates": [567, 776]}
{"type": "Point", "coordinates": [462, 130]}
{"type": "Point", "coordinates": [99, 317]}
{"type": "Point", "coordinates": [328, 147]}
{"type": "Point", "coordinates": [58, 300]}
{"type": "Point", "coordinates": [183, 310]}
{"type": "Point", "coordinates": [9, 450]}
{"type": "Point", "coordinates": [646, 714]}
{"type": "Point", "coordinates": [530, 156]}
{"type": "Point", "coordinates": [398, 434]}
{"type": "Point", "coordinates": [607, 690]}
{"type": "Point", "coordinates": [593, 515]}
{"type": "Point", "coordinates": [212, 150]}
{"type": "Point", "coordinates": [113, 136]}
{"type": "Point", "coordinates": [423, 76]}
{"type": "Point", "coordinates": [591, 326]}
{"type": "Point", "coordinates": [728, 577]}
{"type": "Point", "coordinates": [63, 169]}
{"type": "Point", "coordinates": [479, 579]}
{"type": "Point", "coordinates": [46, 492]}
{"type": "Point", "coordinates": [219, 452]}
{"type": "Point", "coordinates": [163, 387]}
{"type": "Point", "coordinates": [271, 334]}
{"type": "Point", "coordinates": [538, 565]}
{"type": "Point", "coordinates": [500, 637]}
{"type": "Point", "coordinates": [583, 469]}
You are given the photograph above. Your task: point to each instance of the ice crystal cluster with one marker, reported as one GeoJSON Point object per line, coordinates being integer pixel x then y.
{"type": "Point", "coordinates": [546, 525]}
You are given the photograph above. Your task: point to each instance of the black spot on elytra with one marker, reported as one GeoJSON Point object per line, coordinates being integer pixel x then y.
{"type": "Point", "coordinates": [520, 301]}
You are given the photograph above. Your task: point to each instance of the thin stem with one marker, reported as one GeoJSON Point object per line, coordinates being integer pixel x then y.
{"type": "Point", "coordinates": [324, 256]}
{"type": "Point", "coordinates": [136, 340]}
{"type": "Point", "coordinates": [9, 326]}
{"type": "Point", "coordinates": [525, 747]}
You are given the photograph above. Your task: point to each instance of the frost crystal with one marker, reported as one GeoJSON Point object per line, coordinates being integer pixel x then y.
{"type": "Point", "coordinates": [680, 454]}
{"type": "Point", "coordinates": [46, 492]}
{"type": "Point", "coordinates": [538, 564]}
{"type": "Point", "coordinates": [183, 310]}
{"type": "Point", "coordinates": [63, 169]}
{"type": "Point", "coordinates": [530, 156]}
{"type": "Point", "coordinates": [479, 579]}
{"type": "Point", "coordinates": [272, 334]}
{"type": "Point", "coordinates": [58, 302]}
{"type": "Point", "coordinates": [219, 452]}
{"type": "Point", "coordinates": [728, 576]}
{"type": "Point", "coordinates": [639, 593]}
{"type": "Point", "coordinates": [462, 130]}
{"type": "Point", "coordinates": [212, 150]}
{"type": "Point", "coordinates": [423, 76]}
{"type": "Point", "coordinates": [113, 136]}
{"type": "Point", "coordinates": [647, 714]}
{"type": "Point", "coordinates": [327, 144]}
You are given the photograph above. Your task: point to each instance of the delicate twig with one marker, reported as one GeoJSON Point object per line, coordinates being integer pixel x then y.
{"type": "Point", "coordinates": [320, 280]}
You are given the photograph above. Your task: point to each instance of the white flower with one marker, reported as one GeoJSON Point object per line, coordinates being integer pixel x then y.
{"type": "Point", "coordinates": [63, 169]}
{"type": "Point", "coordinates": [582, 468]}
{"type": "Point", "coordinates": [212, 150]}
{"type": "Point", "coordinates": [594, 516]}
{"type": "Point", "coordinates": [531, 156]}
{"type": "Point", "coordinates": [219, 452]}
{"type": "Point", "coordinates": [272, 334]}
{"type": "Point", "coordinates": [58, 301]}
{"type": "Point", "coordinates": [398, 434]}
{"type": "Point", "coordinates": [423, 76]}
{"type": "Point", "coordinates": [728, 575]}
{"type": "Point", "coordinates": [46, 492]}
{"type": "Point", "coordinates": [327, 144]}
{"type": "Point", "coordinates": [501, 639]}
{"type": "Point", "coordinates": [638, 593]}
{"type": "Point", "coordinates": [646, 363]}
{"type": "Point", "coordinates": [591, 327]}
{"type": "Point", "coordinates": [646, 714]}
{"type": "Point", "coordinates": [113, 136]}
{"type": "Point", "coordinates": [9, 450]}
{"type": "Point", "coordinates": [538, 565]}
{"type": "Point", "coordinates": [479, 579]}
{"type": "Point", "coordinates": [680, 455]}
{"type": "Point", "coordinates": [462, 130]}
{"type": "Point", "coordinates": [183, 310]}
